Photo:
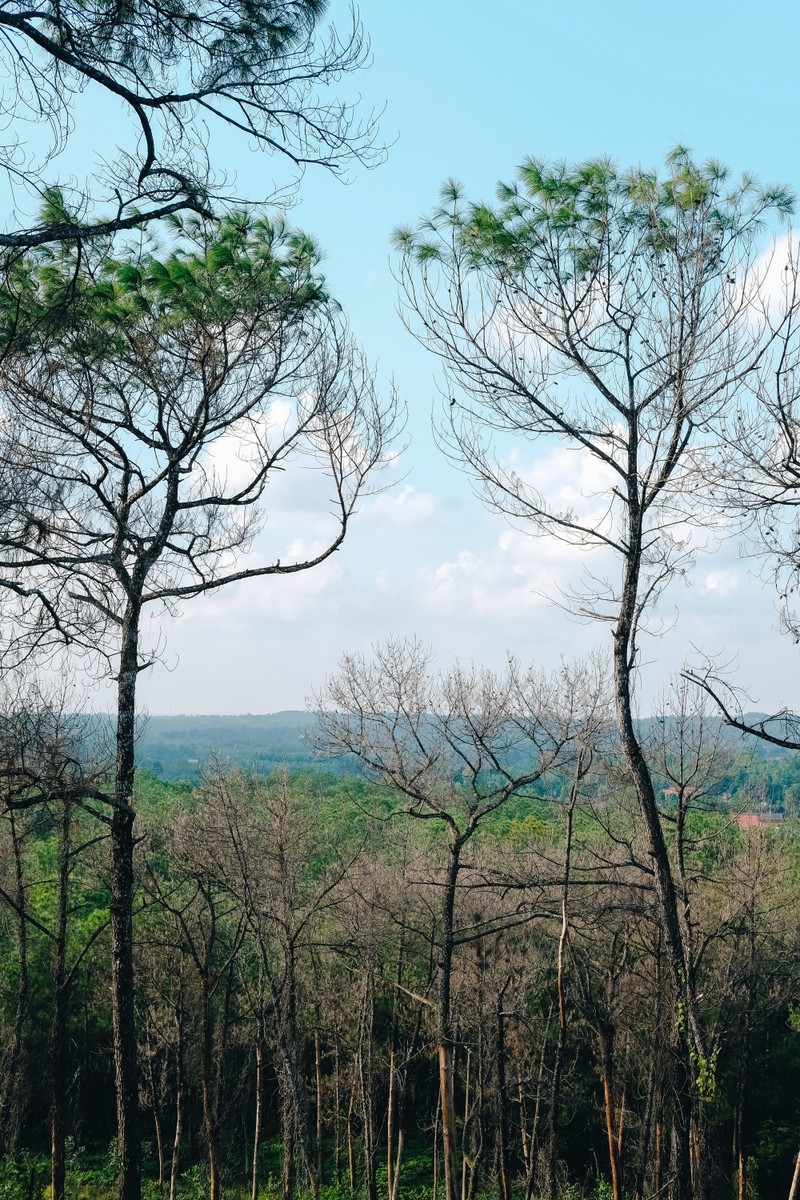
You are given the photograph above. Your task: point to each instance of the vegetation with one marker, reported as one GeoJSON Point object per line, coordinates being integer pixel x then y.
{"type": "Point", "coordinates": [299, 918]}
{"type": "Point", "coordinates": [538, 947]}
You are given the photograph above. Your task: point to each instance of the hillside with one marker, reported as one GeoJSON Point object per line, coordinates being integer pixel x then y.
{"type": "Point", "coordinates": [175, 747]}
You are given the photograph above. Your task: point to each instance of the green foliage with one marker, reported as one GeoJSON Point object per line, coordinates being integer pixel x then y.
{"type": "Point", "coordinates": [194, 1182]}
{"type": "Point", "coordinates": [23, 1176]}
{"type": "Point", "coordinates": [560, 224]}
{"type": "Point", "coordinates": [242, 266]}
{"type": "Point", "coordinates": [334, 820]}
{"type": "Point", "coordinates": [603, 1190]}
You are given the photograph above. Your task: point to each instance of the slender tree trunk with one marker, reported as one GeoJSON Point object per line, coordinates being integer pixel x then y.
{"type": "Point", "coordinates": [295, 1121]}
{"type": "Point", "coordinates": [257, 1123]}
{"type": "Point", "coordinates": [502, 1100]}
{"type": "Point", "coordinates": [176, 1145]}
{"type": "Point", "coordinates": [678, 956]}
{"type": "Point", "coordinates": [555, 1094]}
{"type": "Point", "coordinates": [122, 981]}
{"type": "Point", "coordinates": [393, 1107]}
{"type": "Point", "coordinates": [337, 1119]}
{"type": "Point", "coordinates": [464, 1129]}
{"type": "Point", "coordinates": [523, 1124]}
{"type": "Point", "coordinates": [351, 1162]}
{"type": "Point", "coordinates": [159, 1148]}
{"type": "Point", "coordinates": [743, 1080]}
{"type": "Point", "coordinates": [390, 1127]}
{"type": "Point", "coordinates": [398, 1162]}
{"type": "Point", "coordinates": [794, 1190]}
{"type": "Point", "coordinates": [694, 1141]}
{"type": "Point", "coordinates": [477, 1142]}
{"type": "Point", "coordinates": [366, 1086]}
{"type": "Point", "coordinates": [288, 1144]}
{"type": "Point", "coordinates": [607, 1059]}
{"type": "Point", "coordinates": [444, 1023]}
{"type": "Point", "coordinates": [436, 1123]}
{"type": "Point", "coordinates": [318, 1113]}
{"type": "Point", "coordinates": [58, 1028]}
{"type": "Point", "coordinates": [209, 1086]}
{"type": "Point", "coordinates": [174, 1171]}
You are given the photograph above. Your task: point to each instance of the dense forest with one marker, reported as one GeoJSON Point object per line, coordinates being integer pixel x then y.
{"type": "Point", "coordinates": [177, 747]}
{"type": "Point", "coordinates": [289, 934]}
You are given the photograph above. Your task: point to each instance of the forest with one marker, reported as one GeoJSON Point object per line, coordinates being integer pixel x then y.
{"type": "Point", "coordinates": [487, 931]}
{"type": "Point", "coordinates": [291, 935]}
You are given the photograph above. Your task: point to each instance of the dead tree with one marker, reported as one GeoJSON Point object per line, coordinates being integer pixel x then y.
{"type": "Point", "coordinates": [455, 748]}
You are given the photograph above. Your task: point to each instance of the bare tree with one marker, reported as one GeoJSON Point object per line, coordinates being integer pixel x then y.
{"type": "Point", "coordinates": [618, 315]}
{"type": "Point", "coordinates": [179, 389]}
{"type": "Point", "coordinates": [267, 856]}
{"type": "Point", "coordinates": [456, 747]}
{"type": "Point", "coordinates": [209, 930]}
{"type": "Point", "coordinates": [761, 485]}
{"type": "Point", "coordinates": [178, 75]}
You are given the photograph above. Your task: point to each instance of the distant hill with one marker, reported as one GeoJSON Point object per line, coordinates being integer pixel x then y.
{"type": "Point", "coordinates": [175, 747]}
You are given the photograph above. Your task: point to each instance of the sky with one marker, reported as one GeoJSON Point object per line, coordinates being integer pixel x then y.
{"type": "Point", "coordinates": [468, 90]}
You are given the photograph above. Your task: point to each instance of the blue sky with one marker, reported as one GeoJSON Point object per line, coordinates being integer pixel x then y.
{"type": "Point", "coordinates": [469, 89]}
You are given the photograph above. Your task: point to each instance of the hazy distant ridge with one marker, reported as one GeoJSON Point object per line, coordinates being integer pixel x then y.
{"type": "Point", "coordinates": [175, 747]}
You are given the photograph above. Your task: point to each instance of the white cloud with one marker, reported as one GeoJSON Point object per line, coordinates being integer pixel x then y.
{"type": "Point", "coordinates": [721, 583]}
{"type": "Point", "coordinates": [407, 507]}
{"type": "Point", "coordinates": [459, 578]}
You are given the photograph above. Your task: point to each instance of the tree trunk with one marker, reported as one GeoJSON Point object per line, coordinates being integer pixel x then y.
{"type": "Point", "coordinates": [436, 1123]}
{"type": "Point", "coordinates": [444, 1048]}
{"type": "Point", "coordinates": [464, 1129]}
{"type": "Point", "coordinates": [502, 1100]}
{"type": "Point", "coordinates": [295, 1122]}
{"type": "Point", "coordinates": [337, 1120]}
{"type": "Point", "coordinates": [398, 1163]}
{"type": "Point", "coordinates": [364, 1060]}
{"type": "Point", "coordinates": [448, 1118]}
{"type": "Point", "coordinates": [795, 1186]}
{"type": "Point", "coordinates": [122, 981]}
{"type": "Point", "coordinates": [159, 1148]}
{"type": "Point", "coordinates": [318, 1083]}
{"type": "Point", "coordinates": [58, 1028]}
{"type": "Point", "coordinates": [523, 1125]}
{"type": "Point", "coordinates": [176, 1145]}
{"type": "Point", "coordinates": [390, 1127]}
{"type": "Point", "coordinates": [351, 1162]}
{"type": "Point", "coordinates": [555, 1094]}
{"type": "Point", "coordinates": [678, 957]}
{"type": "Point", "coordinates": [257, 1129]}
{"type": "Point", "coordinates": [288, 1170]}
{"type": "Point", "coordinates": [393, 1114]}
{"type": "Point", "coordinates": [607, 1059]}
{"type": "Point", "coordinates": [209, 1090]}
{"type": "Point", "coordinates": [211, 1132]}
